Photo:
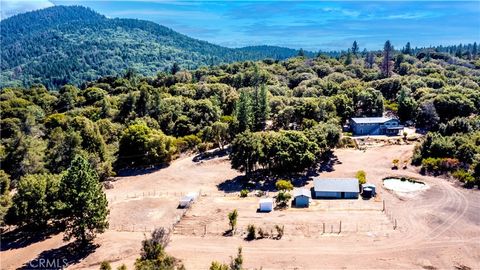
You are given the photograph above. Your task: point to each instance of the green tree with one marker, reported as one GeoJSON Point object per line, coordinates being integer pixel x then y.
{"type": "Point", "coordinates": [261, 108]}
{"type": "Point", "coordinates": [407, 49]}
{"type": "Point", "coordinates": [36, 200]}
{"type": "Point", "coordinates": [220, 133]}
{"type": "Point", "coordinates": [387, 63]}
{"type": "Point", "coordinates": [355, 48]}
{"type": "Point", "coordinates": [244, 111]}
{"type": "Point", "coordinates": [5, 198]}
{"type": "Point", "coordinates": [141, 145]}
{"type": "Point", "coordinates": [407, 106]}
{"type": "Point", "coordinates": [85, 206]}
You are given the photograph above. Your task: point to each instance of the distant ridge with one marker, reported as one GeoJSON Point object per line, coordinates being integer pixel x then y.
{"type": "Point", "coordinates": [72, 44]}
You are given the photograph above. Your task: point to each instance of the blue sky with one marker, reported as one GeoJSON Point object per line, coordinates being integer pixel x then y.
{"type": "Point", "coordinates": [311, 25]}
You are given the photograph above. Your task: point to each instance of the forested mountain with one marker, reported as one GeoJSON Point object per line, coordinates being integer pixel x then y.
{"type": "Point", "coordinates": [73, 44]}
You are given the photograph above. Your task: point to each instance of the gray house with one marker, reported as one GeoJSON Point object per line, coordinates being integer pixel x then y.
{"type": "Point", "coordinates": [301, 197]}
{"type": "Point", "coordinates": [375, 126]}
{"type": "Point", "coordinates": [339, 188]}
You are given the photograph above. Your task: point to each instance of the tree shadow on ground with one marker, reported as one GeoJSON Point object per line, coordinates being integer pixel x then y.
{"type": "Point", "coordinates": [328, 164]}
{"type": "Point", "coordinates": [22, 237]}
{"type": "Point", "coordinates": [260, 181]}
{"type": "Point", "coordinates": [217, 153]}
{"type": "Point", "coordinates": [140, 171]}
{"type": "Point", "coordinates": [60, 258]}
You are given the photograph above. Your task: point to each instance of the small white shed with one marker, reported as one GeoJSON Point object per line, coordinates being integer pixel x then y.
{"type": "Point", "coordinates": [186, 200]}
{"type": "Point", "coordinates": [266, 205]}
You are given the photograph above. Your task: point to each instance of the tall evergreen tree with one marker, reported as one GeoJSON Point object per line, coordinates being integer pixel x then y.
{"type": "Point", "coordinates": [85, 206]}
{"type": "Point", "coordinates": [244, 114]}
{"type": "Point", "coordinates": [355, 48]}
{"type": "Point", "coordinates": [261, 108]}
{"type": "Point", "coordinates": [407, 49]}
{"type": "Point", "coordinates": [348, 59]}
{"type": "Point", "coordinates": [474, 50]}
{"type": "Point", "coordinates": [301, 53]}
{"type": "Point", "coordinates": [387, 63]}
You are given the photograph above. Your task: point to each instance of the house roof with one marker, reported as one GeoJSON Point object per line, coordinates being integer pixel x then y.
{"type": "Point", "coordinates": [301, 192]}
{"type": "Point", "coordinates": [371, 120]}
{"type": "Point", "coordinates": [336, 184]}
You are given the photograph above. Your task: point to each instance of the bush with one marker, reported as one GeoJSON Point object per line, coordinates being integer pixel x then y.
{"type": "Point", "coordinates": [232, 219]}
{"type": "Point", "coordinates": [244, 193]}
{"type": "Point", "coordinates": [284, 185]}
{"type": "Point", "coordinates": [280, 231]}
{"type": "Point", "coordinates": [105, 266]}
{"type": "Point", "coordinates": [251, 232]}
{"type": "Point", "coordinates": [362, 177]}
{"type": "Point", "coordinates": [262, 233]}
{"type": "Point", "coordinates": [464, 177]}
{"type": "Point", "coordinates": [440, 165]}
{"type": "Point", "coordinates": [282, 198]}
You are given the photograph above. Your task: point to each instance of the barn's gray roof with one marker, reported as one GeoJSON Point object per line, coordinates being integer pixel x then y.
{"type": "Point", "coordinates": [336, 184]}
{"type": "Point", "coordinates": [371, 120]}
{"type": "Point", "coordinates": [301, 192]}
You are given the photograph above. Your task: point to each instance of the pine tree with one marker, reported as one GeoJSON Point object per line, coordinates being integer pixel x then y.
{"type": "Point", "coordinates": [301, 53]}
{"type": "Point", "coordinates": [261, 108]}
{"type": "Point", "coordinates": [85, 206]}
{"type": "Point", "coordinates": [348, 59]}
{"type": "Point", "coordinates": [474, 50]}
{"type": "Point", "coordinates": [369, 60]}
{"type": "Point", "coordinates": [244, 111]}
{"type": "Point", "coordinates": [387, 63]}
{"type": "Point", "coordinates": [355, 48]}
{"type": "Point", "coordinates": [407, 49]}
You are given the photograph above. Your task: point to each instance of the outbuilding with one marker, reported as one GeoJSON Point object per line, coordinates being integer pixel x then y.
{"type": "Point", "coordinates": [188, 199]}
{"type": "Point", "coordinates": [301, 197]}
{"type": "Point", "coordinates": [375, 126]}
{"type": "Point", "coordinates": [265, 205]}
{"type": "Point", "coordinates": [339, 188]}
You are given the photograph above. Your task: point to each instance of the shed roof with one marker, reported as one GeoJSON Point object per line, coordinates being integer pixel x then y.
{"type": "Point", "coordinates": [266, 200]}
{"type": "Point", "coordinates": [301, 192]}
{"type": "Point", "coordinates": [336, 184]}
{"type": "Point", "coordinates": [371, 120]}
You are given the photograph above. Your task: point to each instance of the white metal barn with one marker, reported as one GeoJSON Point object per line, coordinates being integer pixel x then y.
{"type": "Point", "coordinates": [339, 188]}
{"type": "Point", "coordinates": [265, 205]}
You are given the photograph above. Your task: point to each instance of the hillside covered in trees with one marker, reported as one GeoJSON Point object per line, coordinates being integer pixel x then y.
{"type": "Point", "coordinates": [61, 44]}
{"type": "Point", "coordinates": [280, 116]}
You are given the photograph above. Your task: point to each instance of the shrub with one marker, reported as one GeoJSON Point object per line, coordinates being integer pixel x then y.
{"type": "Point", "coordinates": [105, 266]}
{"type": "Point", "coordinates": [280, 231]}
{"type": "Point", "coordinates": [362, 177]}
{"type": "Point", "coordinates": [262, 233]}
{"type": "Point", "coordinates": [244, 193]}
{"type": "Point", "coordinates": [284, 185]}
{"type": "Point", "coordinates": [251, 232]}
{"type": "Point", "coordinates": [232, 219]}
{"type": "Point", "coordinates": [440, 165]}
{"type": "Point", "coordinates": [282, 198]}
{"type": "Point", "coordinates": [465, 177]}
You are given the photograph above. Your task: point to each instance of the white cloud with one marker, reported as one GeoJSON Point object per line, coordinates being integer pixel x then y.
{"type": "Point", "coordinates": [12, 7]}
